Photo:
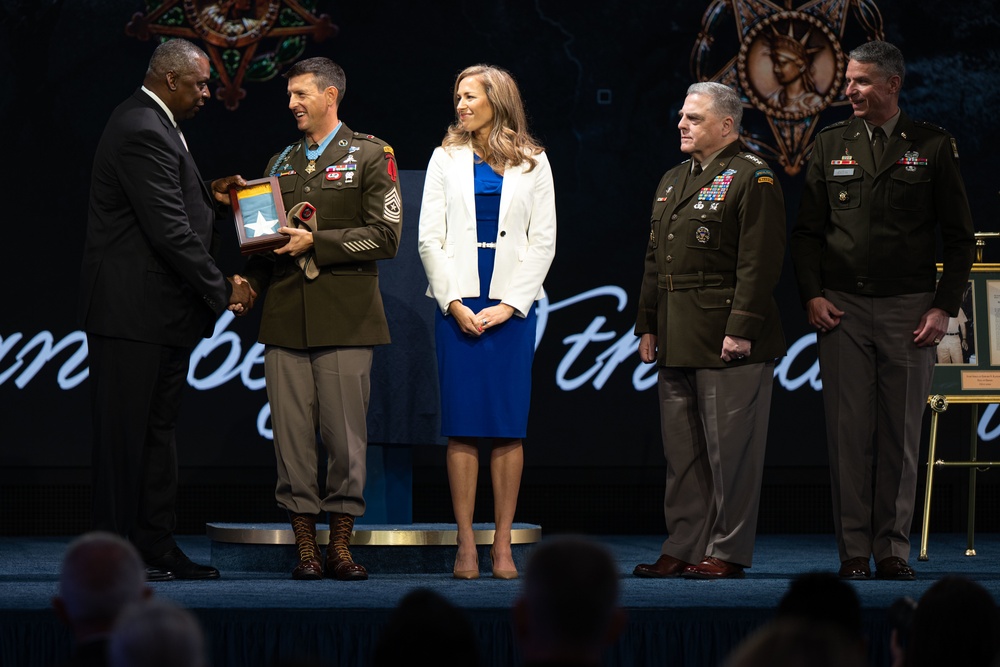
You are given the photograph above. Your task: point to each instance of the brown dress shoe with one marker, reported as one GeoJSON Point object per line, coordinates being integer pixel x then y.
{"type": "Point", "coordinates": [713, 568]}
{"type": "Point", "coordinates": [664, 567]}
{"type": "Point", "coordinates": [855, 568]}
{"type": "Point", "coordinates": [894, 567]}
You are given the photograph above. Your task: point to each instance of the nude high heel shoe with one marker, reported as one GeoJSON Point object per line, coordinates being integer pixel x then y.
{"type": "Point", "coordinates": [466, 574]}
{"type": "Point", "coordinates": [498, 573]}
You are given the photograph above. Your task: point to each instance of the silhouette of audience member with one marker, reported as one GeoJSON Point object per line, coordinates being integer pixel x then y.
{"type": "Point", "coordinates": [425, 628]}
{"type": "Point", "coordinates": [156, 633]}
{"type": "Point", "coordinates": [101, 574]}
{"type": "Point", "coordinates": [900, 617]}
{"type": "Point", "coordinates": [822, 597]}
{"type": "Point", "coordinates": [797, 642]}
{"type": "Point", "coordinates": [568, 611]}
{"type": "Point", "coordinates": [956, 623]}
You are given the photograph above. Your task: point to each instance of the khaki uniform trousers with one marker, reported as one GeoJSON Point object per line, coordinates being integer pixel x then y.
{"type": "Point", "coordinates": [323, 390]}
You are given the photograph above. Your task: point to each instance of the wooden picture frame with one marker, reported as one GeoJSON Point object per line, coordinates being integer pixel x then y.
{"type": "Point", "coordinates": [259, 212]}
{"type": "Point", "coordinates": [977, 377]}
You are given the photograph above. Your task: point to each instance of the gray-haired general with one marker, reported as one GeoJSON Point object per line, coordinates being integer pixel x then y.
{"type": "Point", "coordinates": [879, 188]}
{"type": "Point", "coordinates": [708, 319]}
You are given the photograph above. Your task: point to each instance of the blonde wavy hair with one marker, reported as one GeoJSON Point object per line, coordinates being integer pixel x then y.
{"type": "Point", "coordinates": [509, 143]}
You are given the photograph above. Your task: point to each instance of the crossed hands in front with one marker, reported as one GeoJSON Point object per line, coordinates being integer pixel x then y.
{"type": "Point", "coordinates": [242, 297]}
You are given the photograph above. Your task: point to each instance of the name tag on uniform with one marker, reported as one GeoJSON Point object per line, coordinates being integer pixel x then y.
{"type": "Point", "coordinates": [843, 172]}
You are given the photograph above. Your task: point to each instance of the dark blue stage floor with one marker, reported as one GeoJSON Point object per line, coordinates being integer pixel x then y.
{"type": "Point", "coordinates": [255, 619]}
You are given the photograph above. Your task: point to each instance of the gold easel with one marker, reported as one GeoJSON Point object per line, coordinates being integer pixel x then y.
{"type": "Point", "coordinates": [939, 403]}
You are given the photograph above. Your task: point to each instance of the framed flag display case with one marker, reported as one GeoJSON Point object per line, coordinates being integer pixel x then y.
{"type": "Point", "coordinates": [259, 212]}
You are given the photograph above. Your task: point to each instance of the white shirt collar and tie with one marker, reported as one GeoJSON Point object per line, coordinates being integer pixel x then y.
{"type": "Point", "coordinates": [169, 113]}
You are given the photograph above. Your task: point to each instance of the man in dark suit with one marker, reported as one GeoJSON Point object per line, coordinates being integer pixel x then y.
{"type": "Point", "coordinates": [323, 312]}
{"type": "Point", "coordinates": [879, 188]}
{"type": "Point", "coordinates": [149, 290]}
{"type": "Point", "coordinates": [708, 318]}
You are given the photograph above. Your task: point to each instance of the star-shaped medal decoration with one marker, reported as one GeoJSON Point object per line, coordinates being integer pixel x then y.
{"type": "Point", "coordinates": [786, 63]}
{"type": "Point", "coordinates": [245, 39]}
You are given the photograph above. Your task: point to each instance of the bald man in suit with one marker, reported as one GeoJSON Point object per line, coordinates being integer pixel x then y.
{"type": "Point", "coordinates": [150, 289]}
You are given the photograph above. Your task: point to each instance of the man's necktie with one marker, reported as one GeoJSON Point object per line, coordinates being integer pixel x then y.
{"type": "Point", "coordinates": [878, 144]}
{"type": "Point", "coordinates": [696, 170]}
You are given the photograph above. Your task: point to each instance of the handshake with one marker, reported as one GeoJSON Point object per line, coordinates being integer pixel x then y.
{"type": "Point", "coordinates": [242, 297]}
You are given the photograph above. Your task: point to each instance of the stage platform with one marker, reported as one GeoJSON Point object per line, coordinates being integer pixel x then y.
{"type": "Point", "coordinates": [257, 618]}
{"type": "Point", "coordinates": [417, 548]}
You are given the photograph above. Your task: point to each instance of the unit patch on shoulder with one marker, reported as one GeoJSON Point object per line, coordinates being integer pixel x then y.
{"type": "Point", "coordinates": [764, 176]}
{"type": "Point", "coordinates": [390, 164]}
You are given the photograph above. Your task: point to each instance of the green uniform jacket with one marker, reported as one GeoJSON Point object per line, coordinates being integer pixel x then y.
{"type": "Point", "coordinates": [355, 189]}
{"type": "Point", "coordinates": [871, 230]}
{"type": "Point", "coordinates": [716, 245]}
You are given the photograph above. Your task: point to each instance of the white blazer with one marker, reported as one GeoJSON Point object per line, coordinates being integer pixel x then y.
{"type": "Point", "coordinates": [526, 239]}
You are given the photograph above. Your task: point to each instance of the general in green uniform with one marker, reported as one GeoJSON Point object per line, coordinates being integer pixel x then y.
{"type": "Point", "coordinates": [708, 318]}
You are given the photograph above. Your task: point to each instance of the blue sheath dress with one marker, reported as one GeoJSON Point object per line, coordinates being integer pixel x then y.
{"type": "Point", "coordinates": [485, 381]}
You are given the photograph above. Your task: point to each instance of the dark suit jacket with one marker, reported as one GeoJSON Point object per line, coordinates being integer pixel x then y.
{"type": "Point", "coordinates": [871, 229]}
{"type": "Point", "coordinates": [148, 272]}
{"type": "Point", "coordinates": [355, 189]}
{"type": "Point", "coordinates": [717, 242]}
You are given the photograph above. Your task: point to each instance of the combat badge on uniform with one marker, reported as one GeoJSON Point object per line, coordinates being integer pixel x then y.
{"type": "Point", "coordinates": [912, 160]}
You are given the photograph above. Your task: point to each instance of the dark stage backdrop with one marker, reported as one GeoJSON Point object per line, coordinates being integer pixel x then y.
{"type": "Point", "coordinates": [602, 83]}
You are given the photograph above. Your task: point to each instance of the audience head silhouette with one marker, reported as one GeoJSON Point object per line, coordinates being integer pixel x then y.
{"type": "Point", "coordinates": [156, 633]}
{"type": "Point", "coordinates": [101, 574]}
{"type": "Point", "coordinates": [822, 597]}
{"type": "Point", "coordinates": [900, 617]}
{"type": "Point", "coordinates": [425, 628]}
{"type": "Point", "coordinates": [955, 623]}
{"type": "Point", "coordinates": [798, 642]}
{"type": "Point", "coordinates": [568, 611]}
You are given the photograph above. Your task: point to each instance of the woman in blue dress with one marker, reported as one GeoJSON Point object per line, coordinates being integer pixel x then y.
{"type": "Point", "coordinates": [487, 239]}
